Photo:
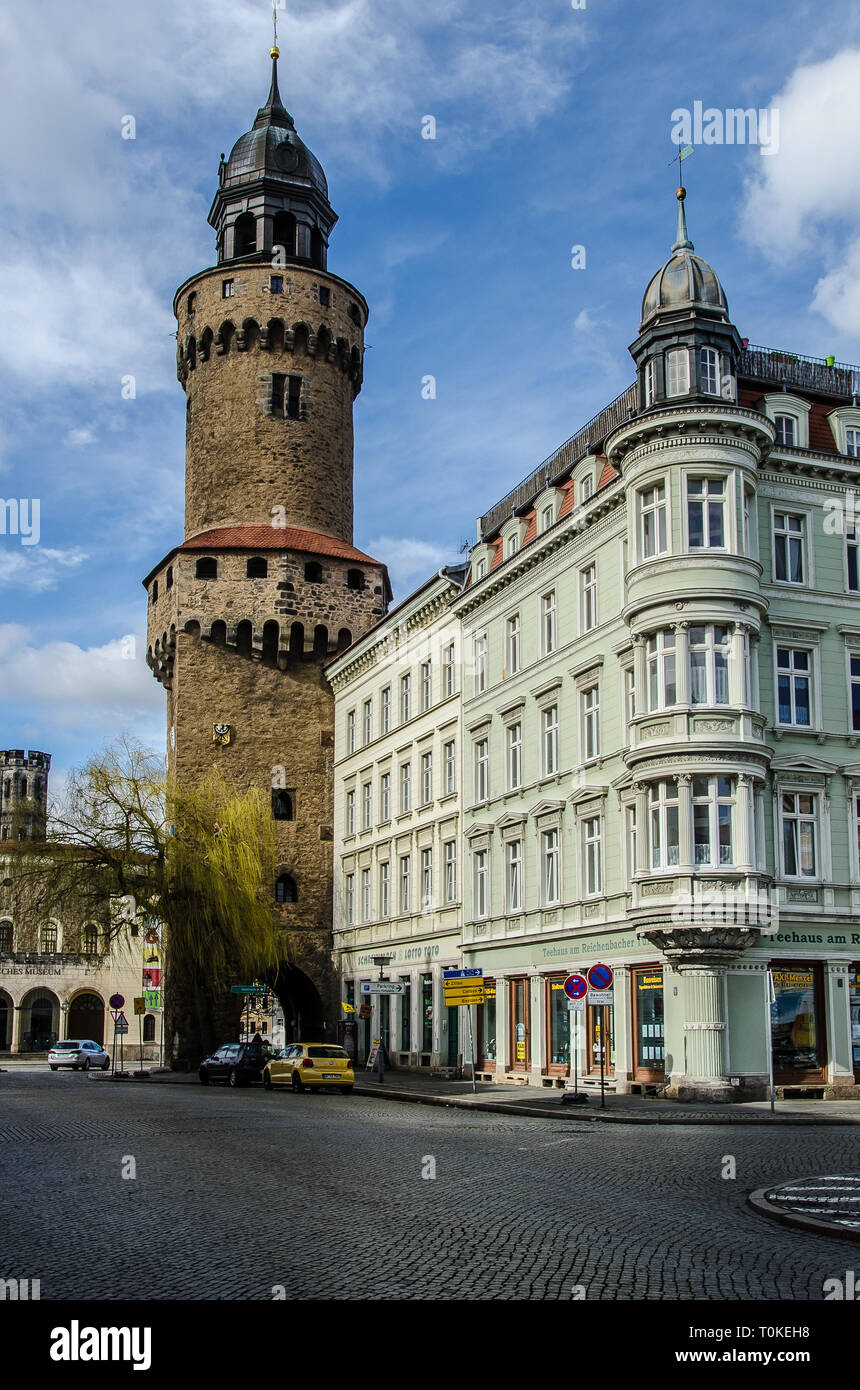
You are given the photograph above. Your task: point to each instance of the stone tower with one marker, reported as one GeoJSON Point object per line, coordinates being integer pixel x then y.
{"type": "Point", "coordinates": [23, 794]}
{"type": "Point", "coordinates": [267, 585]}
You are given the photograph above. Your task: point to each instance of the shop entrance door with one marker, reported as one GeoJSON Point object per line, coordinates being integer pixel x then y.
{"type": "Point", "coordinates": [453, 1036]}
{"type": "Point", "coordinates": [597, 1043]}
{"type": "Point", "coordinates": [797, 1025]}
{"type": "Point", "coordinates": [854, 996]}
{"type": "Point", "coordinates": [648, 1030]}
{"type": "Point", "coordinates": [519, 1031]}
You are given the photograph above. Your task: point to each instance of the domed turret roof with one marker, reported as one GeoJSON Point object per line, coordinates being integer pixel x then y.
{"type": "Point", "coordinates": [685, 281]}
{"type": "Point", "coordinates": [272, 148]}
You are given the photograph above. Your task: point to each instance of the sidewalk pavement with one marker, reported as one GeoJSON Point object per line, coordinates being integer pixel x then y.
{"type": "Point", "coordinates": [542, 1103]}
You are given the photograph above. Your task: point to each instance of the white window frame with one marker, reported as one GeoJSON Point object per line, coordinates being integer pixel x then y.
{"type": "Point", "coordinates": [405, 788]}
{"type": "Point", "coordinates": [550, 875]}
{"type": "Point", "coordinates": [385, 889]}
{"type": "Point", "coordinates": [650, 379]}
{"type": "Point", "coordinates": [481, 656]}
{"type": "Point", "coordinates": [450, 871]}
{"type": "Point", "coordinates": [782, 419]}
{"type": "Point", "coordinates": [590, 706]}
{"type": "Point", "coordinates": [707, 500]}
{"type": "Point", "coordinates": [481, 883]}
{"type": "Point", "coordinates": [350, 731]}
{"type": "Point", "coordinates": [664, 826]}
{"type": "Point", "coordinates": [655, 510]}
{"type": "Point", "coordinates": [349, 818]}
{"type": "Point", "coordinates": [592, 857]}
{"type": "Point", "coordinates": [810, 675]}
{"type": "Point", "coordinates": [781, 530]}
{"type": "Point", "coordinates": [549, 722]}
{"type": "Point", "coordinates": [800, 818]}
{"type": "Point", "coordinates": [367, 722]}
{"type": "Point", "coordinates": [406, 698]}
{"type": "Point", "coordinates": [426, 686]}
{"type": "Point", "coordinates": [658, 662]}
{"type": "Point", "coordinates": [588, 597]}
{"type": "Point", "coordinates": [426, 778]}
{"type": "Point", "coordinates": [366, 805]}
{"type": "Point", "coordinates": [449, 680]}
{"type": "Point", "coordinates": [482, 769]}
{"type": "Point", "coordinates": [366, 897]}
{"type": "Point", "coordinates": [349, 898]}
{"type": "Point", "coordinates": [385, 710]}
{"type": "Point", "coordinates": [677, 367]}
{"type": "Point", "coordinates": [852, 558]}
{"type": "Point", "coordinates": [450, 759]}
{"type": "Point", "coordinates": [710, 648]}
{"type": "Point", "coordinates": [514, 760]}
{"type": "Point", "coordinates": [513, 876]}
{"type": "Point", "coordinates": [512, 629]}
{"type": "Point", "coordinates": [385, 797]}
{"type": "Point", "coordinates": [549, 623]}
{"type": "Point", "coordinates": [405, 879]}
{"type": "Point", "coordinates": [714, 800]}
{"type": "Point", "coordinates": [709, 367]}
{"type": "Point", "coordinates": [427, 879]}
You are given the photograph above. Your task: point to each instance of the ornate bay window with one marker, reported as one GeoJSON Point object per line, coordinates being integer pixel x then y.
{"type": "Point", "coordinates": [713, 804]}
{"type": "Point", "coordinates": [706, 513]}
{"type": "Point", "coordinates": [663, 824]}
{"type": "Point", "coordinates": [708, 656]}
{"type": "Point", "coordinates": [653, 537]}
{"type": "Point", "coordinates": [660, 664]}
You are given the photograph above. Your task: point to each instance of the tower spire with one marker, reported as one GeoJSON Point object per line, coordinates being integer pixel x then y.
{"type": "Point", "coordinates": [274, 112]}
{"type": "Point", "coordinates": [682, 240]}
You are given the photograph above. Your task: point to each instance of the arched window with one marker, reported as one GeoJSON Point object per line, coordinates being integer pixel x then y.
{"type": "Point", "coordinates": [149, 1028]}
{"type": "Point", "coordinates": [354, 579]}
{"type": "Point", "coordinates": [282, 806]}
{"type": "Point", "coordinates": [313, 572]}
{"type": "Point", "coordinates": [23, 786]}
{"type": "Point", "coordinates": [321, 642]}
{"type": "Point", "coordinates": [258, 567]}
{"type": "Point", "coordinates": [285, 890]}
{"type": "Point", "coordinates": [49, 939]}
{"type": "Point", "coordinates": [192, 301]}
{"type": "Point", "coordinates": [344, 639]}
{"type": "Point", "coordinates": [155, 590]}
{"type": "Point", "coordinates": [245, 235]}
{"type": "Point", "coordinates": [5, 938]}
{"type": "Point", "coordinates": [206, 568]}
{"type": "Point", "coordinates": [218, 632]}
{"type": "Point", "coordinates": [297, 642]}
{"type": "Point", "coordinates": [169, 580]}
{"type": "Point", "coordinates": [91, 941]}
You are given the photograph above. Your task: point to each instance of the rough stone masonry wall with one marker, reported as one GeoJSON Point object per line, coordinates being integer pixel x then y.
{"type": "Point", "coordinates": [242, 461]}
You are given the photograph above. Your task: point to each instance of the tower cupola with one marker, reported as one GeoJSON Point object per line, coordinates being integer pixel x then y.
{"type": "Point", "coordinates": [687, 346]}
{"type": "Point", "coordinates": [272, 200]}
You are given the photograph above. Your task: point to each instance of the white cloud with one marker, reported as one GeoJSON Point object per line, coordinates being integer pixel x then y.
{"type": "Point", "coordinates": [806, 197]}
{"type": "Point", "coordinates": [36, 568]}
{"type": "Point", "coordinates": [92, 686]}
{"type": "Point", "coordinates": [81, 436]}
{"type": "Point", "coordinates": [410, 562]}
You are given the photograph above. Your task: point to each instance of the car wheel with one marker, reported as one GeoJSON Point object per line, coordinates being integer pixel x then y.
{"type": "Point", "coordinates": [298, 1084]}
{"type": "Point", "coordinates": [204, 1078]}
{"type": "Point", "coordinates": [346, 1090]}
{"type": "Point", "coordinates": [75, 1066]}
{"type": "Point", "coordinates": [234, 1079]}
{"type": "Point", "coordinates": [85, 1065]}
{"type": "Point", "coordinates": [105, 1063]}
{"type": "Point", "coordinates": [53, 1067]}
{"type": "Point", "coordinates": [267, 1081]}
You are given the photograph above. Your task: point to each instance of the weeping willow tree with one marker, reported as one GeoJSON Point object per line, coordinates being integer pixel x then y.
{"type": "Point", "coordinates": [128, 847]}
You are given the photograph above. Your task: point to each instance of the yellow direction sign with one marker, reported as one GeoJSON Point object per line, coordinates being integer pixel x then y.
{"type": "Point", "coordinates": [463, 996]}
{"type": "Point", "coordinates": [140, 1005]}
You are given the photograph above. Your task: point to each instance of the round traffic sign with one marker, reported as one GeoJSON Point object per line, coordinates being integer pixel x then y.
{"type": "Point", "coordinates": [600, 977]}
{"type": "Point", "coordinates": [116, 1001]}
{"type": "Point", "coordinates": [576, 986]}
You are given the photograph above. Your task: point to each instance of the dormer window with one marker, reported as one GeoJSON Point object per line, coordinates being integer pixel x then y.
{"type": "Point", "coordinates": [677, 372]}
{"type": "Point", "coordinates": [586, 488]}
{"type": "Point", "coordinates": [852, 443]}
{"type": "Point", "coordinates": [512, 546]}
{"type": "Point", "coordinates": [709, 371]}
{"type": "Point", "coordinates": [547, 517]}
{"type": "Point", "coordinates": [786, 430]}
{"type": "Point", "coordinates": [480, 569]}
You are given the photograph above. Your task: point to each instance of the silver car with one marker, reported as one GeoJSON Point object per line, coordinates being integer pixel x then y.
{"type": "Point", "coordinates": [79, 1055]}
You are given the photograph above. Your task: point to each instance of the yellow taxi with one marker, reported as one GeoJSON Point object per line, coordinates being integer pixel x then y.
{"type": "Point", "coordinates": [310, 1067]}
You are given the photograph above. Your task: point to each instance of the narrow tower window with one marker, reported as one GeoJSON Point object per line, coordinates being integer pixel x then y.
{"type": "Point", "coordinates": [206, 568]}
{"type": "Point", "coordinates": [258, 567]}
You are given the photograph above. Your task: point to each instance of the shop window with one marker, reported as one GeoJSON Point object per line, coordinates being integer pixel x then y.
{"type": "Point", "coordinates": [649, 1031]}
{"type": "Point", "coordinates": [427, 1013]}
{"type": "Point", "coordinates": [487, 1027]}
{"type": "Point", "coordinates": [797, 1023]}
{"type": "Point", "coordinates": [558, 1028]}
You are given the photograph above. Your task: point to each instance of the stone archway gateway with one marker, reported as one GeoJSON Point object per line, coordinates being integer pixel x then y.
{"type": "Point", "coordinates": [40, 1021]}
{"type": "Point", "coordinates": [304, 1016]}
{"type": "Point", "coordinates": [87, 1017]}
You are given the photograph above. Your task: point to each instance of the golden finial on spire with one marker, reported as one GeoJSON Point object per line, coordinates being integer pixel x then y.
{"type": "Point", "coordinates": [274, 51]}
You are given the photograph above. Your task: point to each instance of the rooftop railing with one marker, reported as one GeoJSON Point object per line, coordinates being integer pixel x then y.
{"type": "Point", "coordinates": [794, 369]}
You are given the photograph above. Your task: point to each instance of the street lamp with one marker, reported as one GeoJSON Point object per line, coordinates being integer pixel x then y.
{"type": "Point", "coordinates": [64, 1010]}
{"type": "Point", "coordinates": [381, 961]}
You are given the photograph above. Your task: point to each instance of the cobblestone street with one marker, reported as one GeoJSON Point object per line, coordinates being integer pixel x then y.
{"type": "Point", "coordinates": [236, 1192]}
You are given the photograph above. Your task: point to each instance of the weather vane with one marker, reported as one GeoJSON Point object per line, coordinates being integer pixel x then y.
{"type": "Point", "coordinates": [683, 153]}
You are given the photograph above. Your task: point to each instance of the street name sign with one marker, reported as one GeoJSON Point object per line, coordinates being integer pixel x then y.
{"type": "Point", "coordinates": [383, 987]}
{"type": "Point", "coordinates": [475, 974]}
{"type": "Point", "coordinates": [245, 989]}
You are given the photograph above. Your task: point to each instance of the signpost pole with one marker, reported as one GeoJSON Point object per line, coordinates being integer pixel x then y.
{"type": "Point", "coordinates": [472, 1049]}
{"type": "Point", "coordinates": [574, 1023]}
{"type": "Point", "coordinates": [771, 1000]}
{"type": "Point", "coordinates": [602, 1052]}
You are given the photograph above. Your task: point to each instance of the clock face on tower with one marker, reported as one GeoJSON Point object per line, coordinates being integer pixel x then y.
{"type": "Point", "coordinates": [286, 157]}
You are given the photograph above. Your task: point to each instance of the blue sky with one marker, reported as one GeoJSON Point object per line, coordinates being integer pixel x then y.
{"type": "Point", "coordinates": [553, 129]}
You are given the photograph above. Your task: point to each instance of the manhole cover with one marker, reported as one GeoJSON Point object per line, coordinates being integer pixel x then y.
{"type": "Point", "coordinates": [828, 1203]}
